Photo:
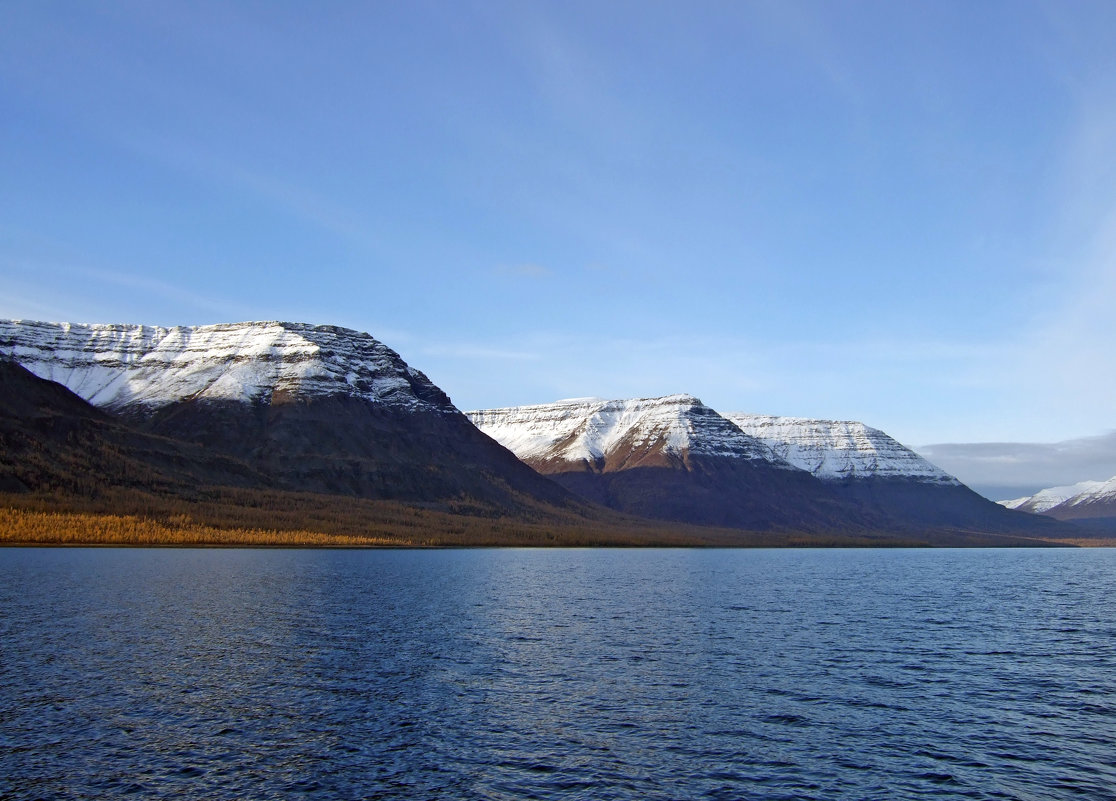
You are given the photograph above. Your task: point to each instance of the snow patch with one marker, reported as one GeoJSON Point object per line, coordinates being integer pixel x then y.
{"type": "Point", "coordinates": [589, 429]}
{"type": "Point", "coordinates": [118, 366]}
{"type": "Point", "coordinates": [1083, 492]}
{"type": "Point", "coordinates": [839, 449]}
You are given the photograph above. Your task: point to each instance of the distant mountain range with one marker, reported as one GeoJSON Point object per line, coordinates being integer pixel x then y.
{"type": "Point", "coordinates": [675, 458]}
{"type": "Point", "coordinates": [291, 407]}
{"type": "Point", "coordinates": [1088, 502]}
{"type": "Point", "coordinates": [671, 458]}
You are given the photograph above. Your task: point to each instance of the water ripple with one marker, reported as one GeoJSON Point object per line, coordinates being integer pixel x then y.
{"type": "Point", "coordinates": [557, 674]}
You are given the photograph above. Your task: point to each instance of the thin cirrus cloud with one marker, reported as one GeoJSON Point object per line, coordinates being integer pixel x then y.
{"type": "Point", "coordinates": [134, 296]}
{"type": "Point", "coordinates": [277, 192]}
{"type": "Point", "coordinates": [1065, 367]}
{"type": "Point", "coordinates": [146, 286]}
{"type": "Point", "coordinates": [477, 352]}
{"type": "Point", "coordinates": [729, 373]}
{"type": "Point", "coordinates": [525, 270]}
{"type": "Point", "coordinates": [808, 248]}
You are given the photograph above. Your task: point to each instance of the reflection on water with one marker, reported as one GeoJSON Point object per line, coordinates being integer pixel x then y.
{"type": "Point", "coordinates": [557, 674]}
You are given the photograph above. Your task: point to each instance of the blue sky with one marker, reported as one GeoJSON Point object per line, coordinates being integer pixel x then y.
{"type": "Point", "coordinates": [902, 213]}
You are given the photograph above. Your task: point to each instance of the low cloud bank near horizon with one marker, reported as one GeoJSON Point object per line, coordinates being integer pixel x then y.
{"type": "Point", "coordinates": [1002, 470]}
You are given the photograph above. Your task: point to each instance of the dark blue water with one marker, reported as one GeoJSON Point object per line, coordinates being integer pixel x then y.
{"type": "Point", "coordinates": [592, 674]}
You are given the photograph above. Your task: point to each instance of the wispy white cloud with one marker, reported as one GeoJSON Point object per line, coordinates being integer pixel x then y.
{"type": "Point", "coordinates": [26, 306]}
{"type": "Point", "coordinates": [85, 293]}
{"type": "Point", "coordinates": [148, 286]}
{"type": "Point", "coordinates": [1065, 367]}
{"type": "Point", "coordinates": [477, 353]}
{"type": "Point", "coordinates": [802, 27]}
{"type": "Point", "coordinates": [292, 198]}
{"type": "Point", "coordinates": [853, 379]}
{"type": "Point", "coordinates": [526, 270]}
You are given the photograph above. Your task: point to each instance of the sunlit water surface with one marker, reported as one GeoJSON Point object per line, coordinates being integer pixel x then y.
{"type": "Point", "coordinates": [595, 674]}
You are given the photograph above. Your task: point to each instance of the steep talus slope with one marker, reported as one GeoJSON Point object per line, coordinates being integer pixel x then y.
{"type": "Point", "coordinates": [74, 474]}
{"type": "Point", "coordinates": [671, 458]}
{"type": "Point", "coordinates": [51, 440]}
{"type": "Point", "coordinates": [315, 408]}
{"type": "Point", "coordinates": [871, 469]}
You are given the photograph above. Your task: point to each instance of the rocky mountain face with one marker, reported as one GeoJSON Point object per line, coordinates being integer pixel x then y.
{"type": "Point", "coordinates": [671, 458]}
{"type": "Point", "coordinates": [871, 469]}
{"type": "Point", "coordinates": [51, 440]}
{"type": "Point", "coordinates": [590, 434]}
{"type": "Point", "coordinates": [295, 407]}
{"type": "Point", "coordinates": [767, 471]}
{"type": "Point", "coordinates": [314, 408]}
{"type": "Point", "coordinates": [839, 450]}
{"type": "Point", "coordinates": [139, 369]}
{"type": "Point", "coordinates": [1088, 502]}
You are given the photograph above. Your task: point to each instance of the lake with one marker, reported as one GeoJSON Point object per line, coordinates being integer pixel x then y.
{"type": "Point", "coordinates": [546, 674]}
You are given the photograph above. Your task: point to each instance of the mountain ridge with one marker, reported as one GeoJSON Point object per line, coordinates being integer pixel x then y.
{"type": "Point", "coordinates": [317, 408]}
{"type": "Point", "coordinates": [1082, 502]}
{"type": "Point", "coordinates": [296, 407]}
{"type": "Point", "coordinates": [119, 365]}
{"type": "Point", "coordinates": [670, 458]}
{"type": "Point", "coordinates": [839, 449]}
{"type": "Point", "coordinates": [587, 429]}
{"type": "Point", "coordinates": [846, 473]}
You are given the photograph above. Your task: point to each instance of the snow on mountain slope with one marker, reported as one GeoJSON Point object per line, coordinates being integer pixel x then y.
{"type": "Point", "coordinates": [1103, 492]}
{"type": "Point", "coordinates": [591, 429]}
{"type": "Point", "coordinates": [668, 458]}
{"type": "Point", "coordinates": [1050, 497]}
{"type": "Point", "coordinates": [652, 457]}
{"type": "Point", "coordinates": [118, 366]}
{"type": "Point", "coordinates": [834, 450]}
{"type": "Point", "coordinates": [308, 408]}
{"type": "Point", "coordinates": [1084, 499]}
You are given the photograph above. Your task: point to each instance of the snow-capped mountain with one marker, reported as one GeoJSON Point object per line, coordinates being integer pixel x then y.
{"type": "Point", "coordinates": [873, 470]}
{"type": "Point", "coordinates": [1086, 499]}
{"type": "Point", "coordinates": [119, 366]}
{"type": "Point", "coordinates": [838, 450]}
{"type": "Point", "coordinates": [315, 408]}
{"type": "Point", "coordinates": [671, 457]}
{"type": "Point", "coordinates": [1103, 493]}
{"type": "Point", "coordinates": [609, 434]}
{"type": "Point", "coordinates": [842, 473]}
{"type": "Point", "coordinates": [1050, 497]}
{"type": "Point", "coordinates": [331, 410]}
